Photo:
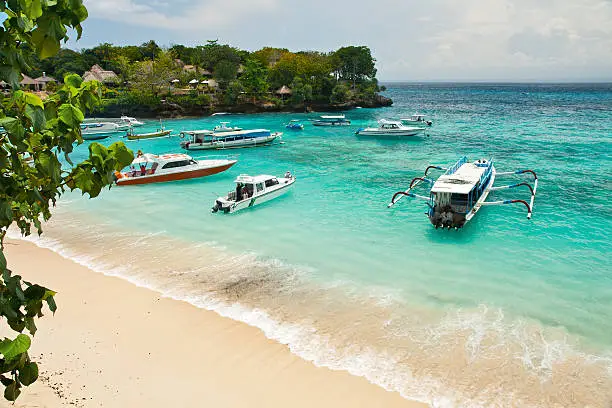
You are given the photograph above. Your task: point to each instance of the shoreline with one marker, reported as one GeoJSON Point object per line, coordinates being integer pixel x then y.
{"type": "Point", "coordinates": [112, 343]}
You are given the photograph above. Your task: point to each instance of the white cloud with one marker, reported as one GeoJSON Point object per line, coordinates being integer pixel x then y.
{"type": "Point", "coordinates": [443, 39]}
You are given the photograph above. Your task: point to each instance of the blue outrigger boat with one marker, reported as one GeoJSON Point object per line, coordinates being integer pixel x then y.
{"type": "Point", "coordinates": [457, 195]}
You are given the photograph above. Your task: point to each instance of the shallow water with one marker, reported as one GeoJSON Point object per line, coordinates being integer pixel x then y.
{"type": "Point", "coordinates": [506, 312]}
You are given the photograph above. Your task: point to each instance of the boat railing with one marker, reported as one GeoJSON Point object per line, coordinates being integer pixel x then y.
{"type": "Point", "coordinates": [455, 167]}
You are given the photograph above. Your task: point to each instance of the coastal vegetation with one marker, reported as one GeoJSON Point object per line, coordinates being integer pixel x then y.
{"type": "Point", "coordinates": [35, 134]}
{"type": "Point", "coordinates": [182, 80]}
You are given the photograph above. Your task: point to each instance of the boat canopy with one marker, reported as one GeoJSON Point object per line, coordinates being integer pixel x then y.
{"type": "Point", "coordinates": [462, 181]}
{"type": "Point", "coordinates": [153, 158]}
{"type": "Point", "coordinates": [333, 117]}
{"type": "Point", "coordinates": [246, 179]}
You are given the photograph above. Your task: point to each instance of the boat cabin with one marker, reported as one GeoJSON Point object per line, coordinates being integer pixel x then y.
{"type": "Point", "coordinates": [148, 164]}
{"type": "Point", "coordinates": [332, 120]}
{"type": "Point", "coordinates": [457, 191]}
{"type": "Point", "coordinates": [417, 117]}
{"type": "Point", "coordinates": [388, 124]}
{"type": "Point", "coordinates": [249, 186]}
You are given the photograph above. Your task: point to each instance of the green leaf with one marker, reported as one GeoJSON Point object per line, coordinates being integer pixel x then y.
{"type": "Point", "coordinates": [12, 391]}
{"type": "Point", "coordinates": [2, 261]}
{"type": "Point", "coordinates": [51, 303]}
{"type": "Point", "coordinates": [35, 292]}
{"type": "Point", "coordinates": [13, 348]}
{"type": "Point", "coordinates": [32, 9]}
{"type": "Point", "coordinates": [122, 154]}
{"type": "Point", "coordinates": [30, 325]}
{"type": "Point", "coordinates": [32, 99]}
{"type": "Point", "coordinates": [28, 374]}
{"type": "Point", "coordinates": [70, 115]}
{"type": "Point", "coordinates": [37, 115]}
{"type": "Point", "coordinates": [73, 80]}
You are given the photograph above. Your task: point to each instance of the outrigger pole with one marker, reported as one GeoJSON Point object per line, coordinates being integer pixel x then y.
{"type": "Point", "coordinates": [533, 191]}
{"type": "Point", "coordinates": [413, 184]}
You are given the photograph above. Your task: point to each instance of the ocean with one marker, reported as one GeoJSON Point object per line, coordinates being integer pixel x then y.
{"type": "Point", "coordinates": [505, 312]}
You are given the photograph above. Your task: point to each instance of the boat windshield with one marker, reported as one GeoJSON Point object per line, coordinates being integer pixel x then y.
{"type": "Point", "coordinates": [178, 163]}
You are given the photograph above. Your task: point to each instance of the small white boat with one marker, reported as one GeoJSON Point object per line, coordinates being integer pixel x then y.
{"type": "Point", "coordinates": [100, 130]}
{"type": "Point", "coordinates": [390, 128]}
{"type": "Point", "coordinates": [417, 120]}
{"type": "Point", "coordinates": [150, 168]}
{"type": "Point", "coordinates": [207, 139]}
{"type": "Point", "coordinates": [223, 127]}
{"type": "Point", "coordinates": [295, 124]}
{"type": "Point", "coordinates": [331, 120]}
{"type": "Point", "coordinates": [130, 121]}
{"type": "Point", "coordinates": [458, 194]}
{"type": "Point", "coordinates": [253, 190]}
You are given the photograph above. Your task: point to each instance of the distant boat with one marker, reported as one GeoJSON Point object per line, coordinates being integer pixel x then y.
{"type": "Point", "coordinates": [223, 127]}
{"type": "Point", "coordinates": [390, 128]}
{"type": "Point", "coordinates": [130, 121]}
{"type": "Point", "coordinates": [331, 120]}
{"type": "Point", "coordinates": [100, 130]}
{"type": "Point", "coordinates": [417, 119]}
{"type": "Point", "coordinates": [152, 135]}
{"type": "Point", "coordinates": [251, 191]}
{"type": "Point", "coordinates": [207, 139]}
{"type": "Point", "coordinates": [457, 195]}
{"type": "Point", "coordinates": [149, 168]}
{"type": "Point", "coordinates": [295, 124]}
{"type": "Point", "coordinates": [220, 113]}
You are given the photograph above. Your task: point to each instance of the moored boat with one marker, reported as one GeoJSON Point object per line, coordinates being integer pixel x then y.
{"type": "Point", "coordinates": [152, 135]}
{"type": "Point", "coordinates": [331, 120]}
{"type": "Point", "coordinates": [295, 124]}
{"type": "Point", "coordinates": [100, 130]}
{"type": "Point", "coordinates": [390, 128]}
{"type": "Point", "coordinates": [253, 190]}
{"type": "Point", "coordinates": [224, 127]}
{"type": "Point", "coordinates": [150, 168]}
{"type": "Point", "coordinates": [207, 140]}
{"type": "Point", "coordinates": [417, 120]}
{"type": "Point", "coordinates": [130, 121]}
{"type": "Point", "coordinates": [458, 194]}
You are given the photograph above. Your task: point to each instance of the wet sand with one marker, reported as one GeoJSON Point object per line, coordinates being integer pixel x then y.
{"type": "Point", "coordinates": [114, 344]}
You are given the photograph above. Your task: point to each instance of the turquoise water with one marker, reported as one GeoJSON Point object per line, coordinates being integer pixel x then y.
{"type": "Point", "coordinates": [505, 312]}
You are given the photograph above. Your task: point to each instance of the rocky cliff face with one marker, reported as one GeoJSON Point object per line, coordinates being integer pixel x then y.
{"type": "Point", "coordinates": [175, 110]}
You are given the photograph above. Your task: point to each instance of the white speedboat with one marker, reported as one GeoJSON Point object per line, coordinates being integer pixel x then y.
{"type": "Point", "coordinates": [458, 194]}
{"type": "Point", "coordinates": [150, 168]}
{"type": "Point", "coordinates": [417, 120]}
{"type": "Point", "coordinates": [223, 127]}
{"type": "Point", "coordinates": [253, 190]}
{"type": "Point", "coordinates": [100, 130]}
{"type": "Point", "coordinates": [390, 128]}
{"type": "Point", "coordinates": [207, 139]}
{"type": "Point", "coordinates": [130, 121]}
{"type": "Point", "coordinates": [331, 120]}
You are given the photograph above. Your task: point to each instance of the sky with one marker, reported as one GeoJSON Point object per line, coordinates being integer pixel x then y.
{"type": "Point", "coordinates": [436, 40]}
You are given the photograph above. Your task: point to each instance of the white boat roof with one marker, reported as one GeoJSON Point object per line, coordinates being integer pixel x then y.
{"type": "Point", "coordinates": [460, 182]}
{"type": "Point", "coordinates": [390, 122]}
{"type": "Point", "coordinates": [333, 117]}
{"type": "Point", "coordinates": [198, 132]}
{"type": "Point", "coordinates": [246, 179]}
{"type": "Point", "coordinates": [163, 158]}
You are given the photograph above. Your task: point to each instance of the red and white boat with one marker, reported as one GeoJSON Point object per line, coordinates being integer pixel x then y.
{"type": "Point", "coordinates": [150, 168]}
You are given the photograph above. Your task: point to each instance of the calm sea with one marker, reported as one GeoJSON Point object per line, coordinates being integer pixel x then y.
{"type": "Point", "coordinates": [506, 312]}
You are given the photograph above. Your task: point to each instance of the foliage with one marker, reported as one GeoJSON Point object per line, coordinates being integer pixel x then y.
{"type": "Point", "coordinates": [233, 92]}
{"type": "Point", "coordinates": [151, 77]}
{"type": "Point", "coordinates": [300, 92]}
{"type": "Point", "coordinates": [340, 94]}
{"type": "Point", "coordinates": [36, 134]}
{"type": "Point", "coordinates": [355, 63]}
{"type": "Point", "coordinates": [224, 72]}
{"type": "Point", "coordinates": [255, 78]}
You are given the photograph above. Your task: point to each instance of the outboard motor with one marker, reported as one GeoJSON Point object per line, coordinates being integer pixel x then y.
{"type": "Point", "coordinates": [216, 207]}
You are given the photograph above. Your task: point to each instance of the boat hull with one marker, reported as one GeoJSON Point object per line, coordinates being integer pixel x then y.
{"type": "Point", "coordinates": [99, 136]}
{"type": "Point", "coordinates": [331, 123]}
{"type": "Point", "coordinates": [236, 144]}
{"type": "Point", "coordinates": [399, 133]}
{"type": "Point", "coordinates": [175, 176]}
{"type": "Point", "coordinates": [253, 201]}
{"type": "Point", "coordinates": [149, 135]}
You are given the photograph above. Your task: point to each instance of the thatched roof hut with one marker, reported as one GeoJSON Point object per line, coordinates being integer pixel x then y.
{"type": "Point", "coordinates": [96, 73]}
{"type": "Point", "coordinates": [284, 91]}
